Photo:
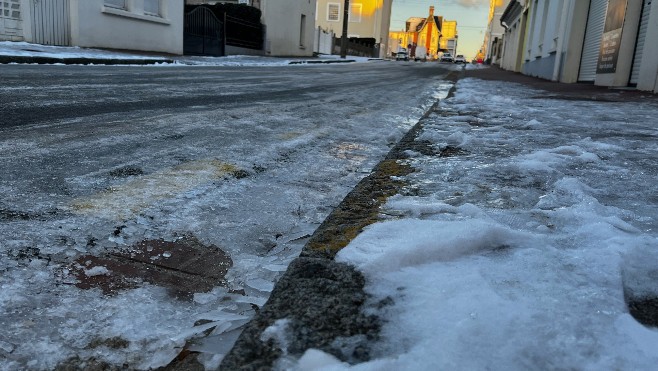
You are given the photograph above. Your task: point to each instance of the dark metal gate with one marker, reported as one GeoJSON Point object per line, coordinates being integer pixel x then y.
{"type": "Point", "coordinates": [203, 33]}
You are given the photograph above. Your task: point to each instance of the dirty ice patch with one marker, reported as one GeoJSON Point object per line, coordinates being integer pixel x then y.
{"type": "Point", "coordinates": [128, 199]}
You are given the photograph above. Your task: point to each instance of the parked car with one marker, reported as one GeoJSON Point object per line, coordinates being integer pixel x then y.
{"type": "Point", "coordinates": [447, 57]}
{"type": "Point", "coordinates": [421, 54]}
{"type": "Point", "coordinates": [402, 55]}
{"type": "Point", "coordinates": [460, 59]}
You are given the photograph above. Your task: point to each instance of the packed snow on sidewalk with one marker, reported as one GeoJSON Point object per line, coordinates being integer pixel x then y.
{"type": "Point", "coordinates": [521, 248]}
{"type": "Point", "coordinates": [23, 49]}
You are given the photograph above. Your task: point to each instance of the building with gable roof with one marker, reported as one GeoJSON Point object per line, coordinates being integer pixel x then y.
{"type": "Point", "coordinates": [428, 33]}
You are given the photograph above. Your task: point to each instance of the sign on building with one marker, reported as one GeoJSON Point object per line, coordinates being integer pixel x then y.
{"type": "Point", "coordinates": [614, 24]}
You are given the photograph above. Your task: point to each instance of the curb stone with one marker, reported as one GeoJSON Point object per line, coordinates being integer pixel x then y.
{"type": "Point", "coordinates": [7, 59]}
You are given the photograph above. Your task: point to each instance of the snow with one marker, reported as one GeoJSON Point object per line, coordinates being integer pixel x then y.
{"type": "Point", "coordinates": [24, 49]}
{"type": "Point", "coordinates": [516, 253]}
{"type": "Point", "coordinates": [519, 252]}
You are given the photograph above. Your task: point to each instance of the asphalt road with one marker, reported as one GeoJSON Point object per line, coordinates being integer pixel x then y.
{"type": "Point", "coordinates": [45, 94]}
{"type": "Point", "coordinates": [192, 179]}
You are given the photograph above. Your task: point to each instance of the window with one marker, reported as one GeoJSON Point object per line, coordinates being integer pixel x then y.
{"type": "Point", "coordinates": [302, 30]}
{"type": "Point", "coordinates": [12, 10]}
{"type": "Point", "coordinates": [355, 13]}
{"type": "Point", "coordinates": [121, 4]}
{"type": "Point", "coordinates": [333, 12]}
{"type": "Point", "coordinates": [152, 7]}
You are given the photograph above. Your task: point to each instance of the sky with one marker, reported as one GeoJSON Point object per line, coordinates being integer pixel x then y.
{"type": "Point", "coordinates": [471, 17]}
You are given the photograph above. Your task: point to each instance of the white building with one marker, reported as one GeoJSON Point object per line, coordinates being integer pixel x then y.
{"type": "Point", "coordinates": [290, 26]}
{"type": "Point", "coordinates": [514, 22]}
{"type": "Point", "coordinates": [493, 38]}
{"type": "Point", "coordinates": [144, 25]}
{"type": "Point", "coordinates": [366, 19]}
{"type": "Point", "coordinates": [604, 42]}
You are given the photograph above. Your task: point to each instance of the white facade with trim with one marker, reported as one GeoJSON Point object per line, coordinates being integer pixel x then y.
{"type": "Point", "coordinates": [563, 42]}
{"type": "Point", "coordinates": [290, 27]}
{"type": "Point", "coordinates": [140, 25]}
{"type": "Point", "coordinates": [11, 20]}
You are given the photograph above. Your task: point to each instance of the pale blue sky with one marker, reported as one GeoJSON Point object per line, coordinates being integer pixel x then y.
{"type": "Point", "coordinates": [471, 17]}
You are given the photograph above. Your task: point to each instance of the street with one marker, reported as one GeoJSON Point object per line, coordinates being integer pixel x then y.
{"type": "Point", "coordinates": [144, 206]}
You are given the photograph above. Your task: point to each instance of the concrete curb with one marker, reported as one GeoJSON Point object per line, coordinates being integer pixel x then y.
{"type": "Point", "coordinates": [322, 300]}
{"type": "Point", "coordinates": [323, 61]}
{"type": "Point", "coordinates": [7, 59]}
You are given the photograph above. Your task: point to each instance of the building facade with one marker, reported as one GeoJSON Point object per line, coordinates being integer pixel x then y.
{"type": "Point", "coordinates": [11, 20]}
{"type": "Point", "coordinates": [514, 20]}
{"type": "Point", "coordinates": [143, 25]}
{"type": "Point", "coordinates": [449, 37]}
{"type": "Point", "coordinates": [290, 26]}
{"type": "Point", "coordinates": [428, 34]}
{"type": "Point", "coordinates": [605, 42]}
{"type": "Point", "coordinates": [432, 33]}
{"type": "Point", "coordinates": [366, 19]}
{"type": "Point", "coordinates": [493, 36]}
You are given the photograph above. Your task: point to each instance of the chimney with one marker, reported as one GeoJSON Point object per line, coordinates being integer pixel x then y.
{"type": "Point", "coordinates": [431, 11]}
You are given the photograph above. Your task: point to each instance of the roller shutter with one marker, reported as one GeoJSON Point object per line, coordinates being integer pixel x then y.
{"type": "Point", "coordinates": [592, 43]}
{"type": "Point", "coordinates": [639, 45]}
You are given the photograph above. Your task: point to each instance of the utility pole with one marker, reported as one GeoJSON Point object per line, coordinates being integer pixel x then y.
{"type": "Point", "coordinates": [343, 38]}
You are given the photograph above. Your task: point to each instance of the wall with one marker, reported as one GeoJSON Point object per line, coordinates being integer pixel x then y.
{"type": "Point", "coordinates": [323, 42]}
{"type": "Point", "coordinates": [433, 49]}
{"type": "Point", "coordinates": [285, 34]}
{"type": "Point", "coordinates": [11, 24]}
{"type": "Point", "coordinates": [495, 31]}
{"type": "Point", "coordinates": [96, 25]}
{"type": "Point", "coordinates": [543, 38]}
{"type": "Point", "coordinates": [448, 40]}
{"type": "Point", "coordinates": [514, 36]}
{"type": "Point", "coordinates": [648, 79]}
{"type": "Point", "coordinates": [575, 15]}
{"type": "Point", "coordinates": [626, 49]}
{"type": "Point", "coordinates": [398, 39]}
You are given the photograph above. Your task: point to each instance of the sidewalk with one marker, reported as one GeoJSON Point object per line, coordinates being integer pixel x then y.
{"type": "Point", "coordinates": [546, 191]}
{"type": "Point", "coordinates": [26, 53]}
{"type": "Point", "coordinates": [556, 90]}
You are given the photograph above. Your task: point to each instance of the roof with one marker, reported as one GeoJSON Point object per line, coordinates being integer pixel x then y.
{"type": "Point", "coordinates": [512, 11]}
{"type": "Point", "coordinates": [437, 22]}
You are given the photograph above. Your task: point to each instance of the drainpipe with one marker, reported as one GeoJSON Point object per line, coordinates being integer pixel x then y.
{"type": "Point", "coordinates": [501, 57]}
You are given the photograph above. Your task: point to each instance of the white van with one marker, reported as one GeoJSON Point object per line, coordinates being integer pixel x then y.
{"type": "Point", "coordinates": [421, 54]}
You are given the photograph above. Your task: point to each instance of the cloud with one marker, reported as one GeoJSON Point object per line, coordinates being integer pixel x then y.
{"type": "Point", "coordinates": [473, 3]}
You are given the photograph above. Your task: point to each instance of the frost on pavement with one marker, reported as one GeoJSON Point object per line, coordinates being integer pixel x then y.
{"type": "Point", "coordinates": [91, 217]}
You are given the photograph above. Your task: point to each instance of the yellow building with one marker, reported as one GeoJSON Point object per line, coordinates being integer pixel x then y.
{"type": "Point", "coordinates": [428, 34]}
{"type": "Point", "coordinates": [448, 42]}
{"type": "Point", "coordinates": [431, 33]}
{"type": "Point", "coordinates": [367, 19]}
